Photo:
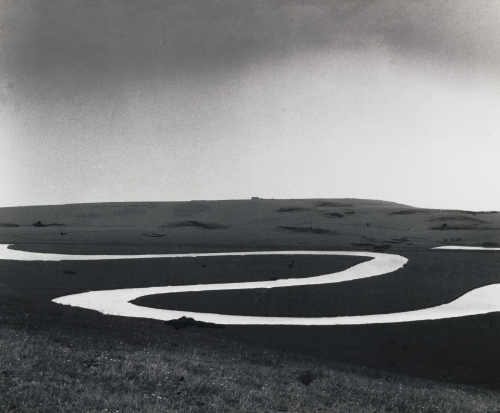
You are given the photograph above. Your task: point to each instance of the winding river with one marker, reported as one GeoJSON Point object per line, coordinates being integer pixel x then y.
{"type": "Point", "coordinates": [481, 300]}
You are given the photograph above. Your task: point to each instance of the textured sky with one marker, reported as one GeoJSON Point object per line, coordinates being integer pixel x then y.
{"type": "Point", "coordinates": [159, 100]}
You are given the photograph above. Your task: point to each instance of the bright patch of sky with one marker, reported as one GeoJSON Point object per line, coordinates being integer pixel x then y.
{"type": "Point", "coordinates": [173, 101]}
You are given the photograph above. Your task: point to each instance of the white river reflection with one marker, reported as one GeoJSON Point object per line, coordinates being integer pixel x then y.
{"type": "Point", "coordinates": [481, 300]}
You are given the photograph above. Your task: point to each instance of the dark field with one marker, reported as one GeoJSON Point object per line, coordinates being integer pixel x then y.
{"type": "Point", "coordinates": [463, 349]}
{"type": "Point", "coordinates": [460, 350]}
{"type": "Point", "coordinates": [48, 280]}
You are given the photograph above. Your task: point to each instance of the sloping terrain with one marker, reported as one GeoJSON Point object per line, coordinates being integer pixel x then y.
{"type": "Point", "coordinates": [257, 223]}
{"type": "Point", "coordinates": [462, 350]}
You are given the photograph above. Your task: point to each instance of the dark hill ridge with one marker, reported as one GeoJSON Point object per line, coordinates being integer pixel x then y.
{"type": "Point", "coordinates": [256, 223]}
{"type": "Point", "coordinates": [157, 213]}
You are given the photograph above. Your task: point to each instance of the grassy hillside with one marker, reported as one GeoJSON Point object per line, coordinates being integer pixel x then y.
{"type": "Point", "coordinates": [55, 360]}
{"type": "Point", "coordinates": [58, 358]}
{"type": "Point", "coordinates": [258, 223]}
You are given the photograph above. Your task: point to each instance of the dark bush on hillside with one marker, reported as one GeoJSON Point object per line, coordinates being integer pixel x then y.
{"type": "Point", "coordinates": [194, 224]}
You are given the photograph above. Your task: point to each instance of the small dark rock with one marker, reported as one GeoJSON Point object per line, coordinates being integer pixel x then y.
{"type": "Point", "coordinates": [184, 322]}
{"type": "Point", "coordinates": [306, 378]}
{"type": "Point", "coordinates": [69, 272]}
{"type": "Point", "coordinates": [377, 248]}
{"type": "Point", "coordinates": [39, 224]}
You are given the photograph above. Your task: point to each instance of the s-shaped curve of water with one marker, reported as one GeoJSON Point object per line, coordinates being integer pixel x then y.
{"type": "Point", "coordinates": [482, 300]}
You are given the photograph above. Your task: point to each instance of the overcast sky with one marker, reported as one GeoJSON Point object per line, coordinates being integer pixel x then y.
{"type": "Point", "coordinates": [158, 100]}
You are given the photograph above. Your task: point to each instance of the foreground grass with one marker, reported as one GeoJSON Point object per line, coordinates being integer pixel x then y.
{"type": "Point", "coordinates": [59, 359]}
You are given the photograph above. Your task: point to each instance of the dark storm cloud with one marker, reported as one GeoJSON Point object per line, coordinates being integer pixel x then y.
{"type": "Point", "coordinates": [80, 45]}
